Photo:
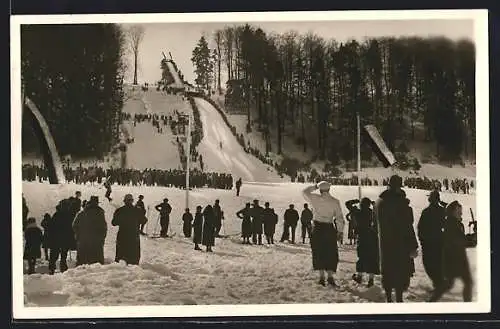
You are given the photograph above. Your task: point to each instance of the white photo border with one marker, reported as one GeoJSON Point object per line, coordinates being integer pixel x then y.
{"type": "Point", "coordinates": [483, 303]}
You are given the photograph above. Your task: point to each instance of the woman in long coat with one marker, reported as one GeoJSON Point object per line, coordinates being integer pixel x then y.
{"type": "Point", "coordinates": [187, 219]}
{"type": "Point", "coordinates": [129, 219]}
{"type": "Point", "coordinates": [367, 249]}
{"type": "Point", "coordinates": [90, 229]}
{"type": "Point", "coordinates": [455, 261]}
{"type": "Point", "coordinates": [328, 223]}
{"type": "Point", "coordinates": [398, 241]}
{"type": "Point", "coordinates": [197, 228]}
{"type": "Point", "coordinates": [208, 238]}
{"type": "Point", "coordinates": [246, 224]}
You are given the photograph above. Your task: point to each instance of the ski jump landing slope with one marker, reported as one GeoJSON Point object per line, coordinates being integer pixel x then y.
{"type": "Point", "coordinates": [231, 158]}
{"type": "Point", "coordinates": [178, 83]}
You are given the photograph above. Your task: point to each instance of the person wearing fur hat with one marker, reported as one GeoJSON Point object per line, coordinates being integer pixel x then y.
{"type": "Point", "coordinates": [398, 242]}
{"type": "Point", "coordinates": [33, 247]}
{"type": "Point", "coordinates": [328, 222]}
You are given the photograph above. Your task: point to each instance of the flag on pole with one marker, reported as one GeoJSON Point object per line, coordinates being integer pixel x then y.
{"type": "Point", "coordinates": [379, 147]}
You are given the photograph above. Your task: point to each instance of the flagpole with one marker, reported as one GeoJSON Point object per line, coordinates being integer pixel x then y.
{"type": "Point", "coordinates": [188, 160]}
{"type": "Point", "coordinates": [359, 155]}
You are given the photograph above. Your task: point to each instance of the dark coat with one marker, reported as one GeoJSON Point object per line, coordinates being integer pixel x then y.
{"type": "Point", "coordinates": [217, 214]}
{"type": "Point", "coordinates": [430, 233]}
{"type": "Point", "coordinates": [246, 224]}
{"type": "Point", "coordinates": [187, 219]}
{"type": "Point", "coordinates": [306, 217]}
{"type": "Point", "coordinates": [291, 217]}
{"type": "Point", "coordinates": [75, 205]}
{"type": "Point", "coordinates": [208, 238]}
{"type": "Point", "coordinates": [455, 261]}
{"type": "Point", "coordinates": [128, 244]}
{"type": "Point", "coordinates": [33, 242]}
{"type": "Point", "coordinates": [61, 230]}
{"type": "Point", "coordinates": [197, 227]}
{"type": "Point", "coordinates": [140, 205]}
{"type": "Point", "coordinates": [165, 209]}
{"type": "Point", "coordinates": [257, 219]}
{"type": "Point", "coordinates": [270, 220]}
{"type": "Point", "coordinates": [367, 248]}
{"type": "Point", "coordinates": [397, 239]}
{"type": "Point", "coordinates": [25, 213]}
{"type": "Point", "coordinates": [46, 223]}
{"type": "Point", "coordinates": [90, 229]}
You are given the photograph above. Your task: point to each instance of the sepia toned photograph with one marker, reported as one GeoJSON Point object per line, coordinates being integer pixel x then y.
{"type": "Point", "coordinates": [250, 164]}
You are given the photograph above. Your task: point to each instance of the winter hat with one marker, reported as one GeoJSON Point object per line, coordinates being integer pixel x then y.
{"type": "Point", "coordinates": [324, 186]}
{"type": "Point", "coordinates": [128, 198]}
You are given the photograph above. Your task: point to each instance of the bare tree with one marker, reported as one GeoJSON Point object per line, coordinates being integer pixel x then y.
{"type": "Point", "coordinates": [218, 38]}
{"type": "Point", "coordinates": [135, 36]}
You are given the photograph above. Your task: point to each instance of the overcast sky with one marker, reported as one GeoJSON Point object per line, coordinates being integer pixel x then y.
{"type": "Point", "coordinates": [181, 38]}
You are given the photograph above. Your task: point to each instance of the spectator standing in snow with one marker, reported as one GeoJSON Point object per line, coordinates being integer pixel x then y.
{"type": "Point", "coordinates": [270, 220]}
{"type": "Point", "coordinates": [398, 243]}
{"type": "Point", "coordinates": [306, 223]}
{"type": "Point", "coordinates": [107, 185]}
{"type": "Point", "coordinates": [455, 261]}
{"type": "Point", "coordinates": [46, 223]}
{"type": "Point", "coordinates": [430, 234]}
{"type": "Point", "coordinates": [246, 224]}
{"type": "Point", "coordinates": [291, 219]}
{"type": "Point", "coordinates": [62, 238]}
{"type": "Point", "coordinates": [328, 221]}
{"type": "Point", "coordinates": [25, 213]}
{"type": "Point", "coordinates": [352, 220]}
{"type": "Point", "coordinates": [197, 228]}
{"type": "Point", "coordinates": [33, 243]}
{"type": "Point", "coordinates": [367, 248]}
{"type": "Point", "coordinates": [90, 229]}
{"type": "Point", "coordinates": [208, 238]}
{"type": "Point", "coordinates": [257, 222]}
{"type": "Point", "coordinates": [187, 220]}
{"type": "Point", "coordinates": [129, 219]}
{"type": "Point", "coordinates": [140, 205]}
{"type": "Point", "coordinates": [165, 209]}
{"type": "Point", "coordinates": [218, 217]}
{"type": "Point", "coordinates": [238, 186]}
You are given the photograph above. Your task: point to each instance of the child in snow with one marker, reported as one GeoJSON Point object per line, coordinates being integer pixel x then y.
{"type": "Point", "coordinates": [33, 244]}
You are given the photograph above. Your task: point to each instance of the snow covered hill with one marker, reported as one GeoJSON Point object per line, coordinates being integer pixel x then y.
{"type": "Point", "coordinates": [172, 272]}
{"type": "Point", "coordinates": [230, 157]}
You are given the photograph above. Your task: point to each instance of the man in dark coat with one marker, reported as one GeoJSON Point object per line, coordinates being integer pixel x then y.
{"type": "Point", "coordinates": [140, 205]}
{"type": "Point", "coordinates": [270, 220]}
{"type": "Point", "coordinates": [256, 213]}
{"type": "Point", "coordinates": [107, 185]}
{"type": "Point", "coordinates": [75, 204]}
{"type": "Point", "coordinates": [187, 220]}
{"type": "Point", "coordinates": [165, 209]}
{"type": "Point", "coordinates": [306, 222]}
{"type": "Point", "coordinates": [430, 234]}
{"type": "Point", "coordinates": [62, 238]}
{"type": "Point", "coordinates": [398, 242]}
{"type": "Point", "coordinates": [33, 243]}
{"type": "Point", "coordinates": [197, 228]}
{"type": "Point", "coordinates": [218, 217]}
{"type": "Point", "coordinates": [291, 218]}
{"type": "Point", "coordinates": [129, 219]}
{"type": "Point", "coordinates": [90, 229]}
{"type": "Point", "coordinates": [46, 223]}
{"type": "Point", "coordinates": [208, 238]}
{"type": "Point", "coordinates": [246, 224]}
{"type": "Point", "coordinates": [238, 186]}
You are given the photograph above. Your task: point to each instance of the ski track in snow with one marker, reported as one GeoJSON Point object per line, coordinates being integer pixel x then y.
{"type": "Point", "coordinates": [171, 272]}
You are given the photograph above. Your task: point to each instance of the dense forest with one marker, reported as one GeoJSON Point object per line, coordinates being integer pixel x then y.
{"type": "Point", "coordinates": [74, 75]}
{"type": "Point", "coordinates": [312, 88]}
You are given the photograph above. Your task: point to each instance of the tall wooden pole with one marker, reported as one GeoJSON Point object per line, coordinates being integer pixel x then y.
{"type": "Point", "coordinates": [359, 155]}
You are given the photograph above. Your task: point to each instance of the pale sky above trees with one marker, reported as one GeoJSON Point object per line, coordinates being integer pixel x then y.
{"type": "Point", "coordinates": [181, 38]}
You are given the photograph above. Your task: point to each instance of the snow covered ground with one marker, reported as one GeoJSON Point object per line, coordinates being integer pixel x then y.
{"type": "Point", "coordinates": [171, 272]}
{"type": "Point", "coordinates": [231, 157]}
